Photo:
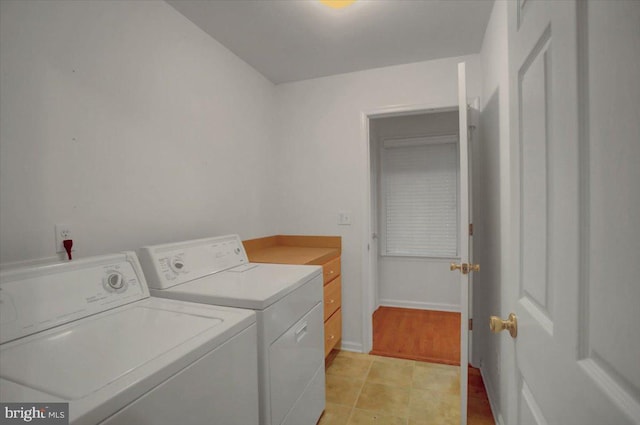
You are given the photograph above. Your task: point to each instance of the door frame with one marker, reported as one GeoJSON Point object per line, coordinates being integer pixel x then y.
{"type": "Point", "coordinates": [369, 299]}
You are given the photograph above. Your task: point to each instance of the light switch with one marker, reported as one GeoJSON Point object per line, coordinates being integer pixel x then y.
{"type": "Point", "coordinates": [344, 218]}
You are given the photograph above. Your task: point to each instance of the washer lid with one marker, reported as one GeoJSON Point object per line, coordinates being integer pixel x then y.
{"type": "Point", "coordinates": [38, 298]}
{"type": "Point", "coordinates": [254, 286]}
{"type": "Point", "coordinates": [79, 359]}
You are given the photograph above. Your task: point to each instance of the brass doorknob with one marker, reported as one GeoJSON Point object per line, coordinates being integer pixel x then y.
{"type": "Point", "coordinates": [496, 325]}
{"type": "Point", "coordinates": [464, 267]}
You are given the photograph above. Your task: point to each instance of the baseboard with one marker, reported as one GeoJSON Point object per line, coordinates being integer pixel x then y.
{"type": "Point", "coordinates": [356, 347]}
{"type": "Point", "coordinates": [420, 305]}
{"type": "Point", "coordinates": [491, 394]}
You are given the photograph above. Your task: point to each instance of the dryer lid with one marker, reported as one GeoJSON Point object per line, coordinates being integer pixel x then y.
{"type": "Point", "coordinates": [254, 286]}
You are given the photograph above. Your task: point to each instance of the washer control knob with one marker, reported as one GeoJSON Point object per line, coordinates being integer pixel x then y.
{"type": "Point", "coordinates": [177, 265]}
{"type": "Point", "coordinates": [114, 281]}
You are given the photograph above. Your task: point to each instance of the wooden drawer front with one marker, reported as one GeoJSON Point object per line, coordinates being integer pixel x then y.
{"type": "Point", "coordinates": [332, 331]}
{"type": "Point", "coordinates": [331, 270]}
{"type": "Point", "coordinates": [332, 297]}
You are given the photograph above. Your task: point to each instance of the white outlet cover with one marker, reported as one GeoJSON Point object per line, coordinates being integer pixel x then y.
{"type": "Point", "coordinates": [63, 231]}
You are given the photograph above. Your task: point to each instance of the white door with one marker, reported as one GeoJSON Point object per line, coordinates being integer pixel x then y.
{"type": "Point", "coordinates": [575, 211]}
{"type": "Point", "coordinates": [463, 232]}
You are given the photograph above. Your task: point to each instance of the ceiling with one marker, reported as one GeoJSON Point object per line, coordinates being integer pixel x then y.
{"type": "Point", "coordinates": [291, 40]}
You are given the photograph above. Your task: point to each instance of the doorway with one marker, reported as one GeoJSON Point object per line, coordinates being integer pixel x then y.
{"type": "Point", "coordinates": [371, 295]}
{"type": "Point", "coordinates": [414, 209]}
{"type": "Point", "coordinates": [414, 215]}
{"type": "Point", "coordinates": [375, 292]}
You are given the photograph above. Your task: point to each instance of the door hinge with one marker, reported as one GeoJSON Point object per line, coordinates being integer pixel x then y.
{"type": "Point", "coordinates": [470, 324]}
{"type": "Point", "coordinates": [471, 229]}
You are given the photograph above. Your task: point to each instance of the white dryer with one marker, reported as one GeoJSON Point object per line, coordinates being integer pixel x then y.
{"type": "Point", "coordinates": [287, 300]}
{"type": "Point", "coordinates": [87, 333]}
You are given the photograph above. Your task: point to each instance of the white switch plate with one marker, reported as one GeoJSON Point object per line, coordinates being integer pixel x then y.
{"type": "Point", "coordinates": [63, 232]}
{"type": "Point", "coordinates": [344, 218]}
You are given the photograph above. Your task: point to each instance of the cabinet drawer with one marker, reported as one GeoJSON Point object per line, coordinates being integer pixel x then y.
{"type": "Point", "coordinates": [332, 331]}
{"type": "Point", "coordinates": [332, 297]}
{"type": "Point", "coordinates": [331, 270]}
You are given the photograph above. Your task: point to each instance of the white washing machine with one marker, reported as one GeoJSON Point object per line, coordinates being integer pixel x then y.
{"type": "Point", "coordinates": [87, 333]}
{"type": "Point", "coordinates": [287, 300]}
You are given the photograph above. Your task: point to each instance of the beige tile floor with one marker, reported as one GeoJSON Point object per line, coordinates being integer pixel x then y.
{"type": "Point", "coordinates": [365, 389]}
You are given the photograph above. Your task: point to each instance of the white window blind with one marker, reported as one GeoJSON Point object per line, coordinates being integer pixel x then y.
{"type": "Point", "coordinates": [420, 197]}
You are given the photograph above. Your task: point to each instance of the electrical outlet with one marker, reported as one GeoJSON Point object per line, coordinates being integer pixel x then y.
{"type": "Point", "coordinates": [63, 232]}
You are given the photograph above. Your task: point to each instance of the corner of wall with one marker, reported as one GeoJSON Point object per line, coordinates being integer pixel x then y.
{"type": "Point", "coordinates": [493, 201]}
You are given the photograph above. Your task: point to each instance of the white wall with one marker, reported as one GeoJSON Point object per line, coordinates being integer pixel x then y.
{"type": "Point", "coordinates": [418, 283]}
{"type": "Point", "coordinates": [412, 282]}
{"type": "Point", "coordinates": [323, 154]}
{"type": "Point", "coordinates": [126, 121]}
{"type": "Point", "coordinates": [491, 214]}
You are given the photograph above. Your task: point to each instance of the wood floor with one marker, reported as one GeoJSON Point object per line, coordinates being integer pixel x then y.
{"type": "Point", "coordinates": [429, 336]}
{"type": "Point", "coordinates": [425, 335]}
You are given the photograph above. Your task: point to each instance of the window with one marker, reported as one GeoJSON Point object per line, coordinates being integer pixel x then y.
{"type": "Point", "coordinates": [419, 198]}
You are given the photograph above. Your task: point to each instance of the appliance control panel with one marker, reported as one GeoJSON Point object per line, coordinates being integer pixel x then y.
{"type": "Point", "coordinates": [172, 264]}
{"type": "Point", "coordinates": [34, 299]}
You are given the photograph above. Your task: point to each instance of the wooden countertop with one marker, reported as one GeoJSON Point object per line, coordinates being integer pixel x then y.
{"type": "Point", "coordinates": [288, 249]}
